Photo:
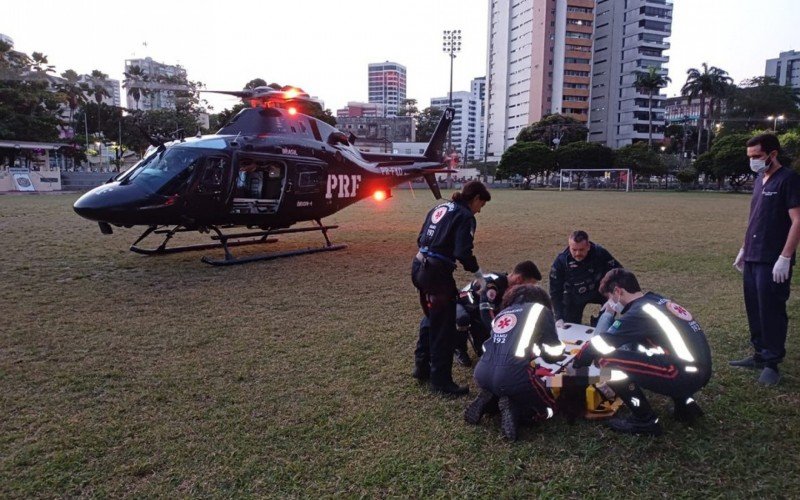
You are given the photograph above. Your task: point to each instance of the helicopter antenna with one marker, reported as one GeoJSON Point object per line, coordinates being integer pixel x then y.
{"type": "Point", "coordinates": [233, 142]}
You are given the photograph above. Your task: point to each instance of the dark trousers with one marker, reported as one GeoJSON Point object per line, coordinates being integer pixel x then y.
{"type": "Point", "coordinates": [437, 295]}
{"type": "Point", "coordinates": [654, 373]}
{"type": "Point", "coordinates": [530, 397]}
{"type": "Point", "coordinates": [470, 328]}
{"type": "Point", "coordinates": [765, 302]}
{"type": "Point", "coordinates": [574, 306]}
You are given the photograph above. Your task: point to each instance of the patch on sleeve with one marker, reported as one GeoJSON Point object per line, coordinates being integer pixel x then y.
{"type": "Point", "coordinates": [438, 214]}
{"type": "Point", "coordinates": [504, 323]}
{"type": "Point", "coordinates": [679, 311]}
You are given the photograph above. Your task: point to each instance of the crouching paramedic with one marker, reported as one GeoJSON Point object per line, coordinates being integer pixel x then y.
{"type": "Point", "coordinates": [477, 308]}
{"type": "Point", "coordinates": [523, 330]}
{"type": "Point", "coordinates": [656, 345]}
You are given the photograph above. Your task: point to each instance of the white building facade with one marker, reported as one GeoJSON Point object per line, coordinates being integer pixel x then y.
{"type": "Point", "coordinates": [465, 129]}
{"type": "Point", "coordinates": [160, 85]}
{"type": "Point", "coordinates": [785, 68]}
{"type": "Point", "coordinates": [387, 85]}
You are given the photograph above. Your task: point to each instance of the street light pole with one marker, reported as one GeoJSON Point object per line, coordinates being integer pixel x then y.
{"type": "Point", "coordinates": [775, 119]}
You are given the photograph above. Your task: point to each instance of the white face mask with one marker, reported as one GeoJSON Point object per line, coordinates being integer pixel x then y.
{"type": "Point", "coordinates": [616, 306]}
{"type": "Point", "coordinates": [758, 165]}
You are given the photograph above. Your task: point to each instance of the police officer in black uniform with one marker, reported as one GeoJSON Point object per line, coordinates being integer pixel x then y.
{"type": "Point", "coordinates": [767, 256]}
{"type": "Point", "coordinates": [446, 237]}
{"type": "Point", "coordinates": [476, 309]}
{"type": "Point", "coordinates": [575, 276]}
{"type": "Point", "coordinates": [524, 330]}
{"type": "Point", "coordinates": [657, 345]}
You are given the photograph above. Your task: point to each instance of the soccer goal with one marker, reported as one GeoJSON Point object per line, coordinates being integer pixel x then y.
{"type": "Point", "coordinates": [615, 179]}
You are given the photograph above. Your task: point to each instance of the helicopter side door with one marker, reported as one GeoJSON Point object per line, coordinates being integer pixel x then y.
{"type": "Point", "coordinates": [260, 181]}
{"type": "Point", "coordinates": [209, 193]}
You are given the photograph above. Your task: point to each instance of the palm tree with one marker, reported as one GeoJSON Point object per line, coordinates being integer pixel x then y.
{"type": "Point", "coordinates": [711, 83]}
{"type": "Point", "coordinates": [72, 92]}
{"type": "Point", "coordinates": [650, 82]}
{"type": "Point", "coordinates": [98, 90]}
{"type": "Point", "coordinates": [136, 83]}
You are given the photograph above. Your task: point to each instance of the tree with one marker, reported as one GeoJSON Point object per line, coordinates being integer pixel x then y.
{"type": "Point", "coordinates": [757, 98]}
{"type": "Point", "coordinates": [650, 83]}
{"type": "Point", "coordinates": [525, 159]}
{"type": "Point", "coordinates": [408, 108]}
{"type": "Point", "coordinates": [73, 94]}
{"type": "Point", "coordinates": [426, 123]}
{"type": "Point", "coordinates": [555, 129]}
{"type": "Point", "coordinates": [710, 83]}
{"type": "Point", "coordinates": [587, 155]}
{"type": "Point", "coordinates": [642, 160]}
{"type": "Point", "coordinates": [136, 83]}
{"type": "Point", "coordinates": [255, 82]}
{"type": "Point", "coordinates": [730, 159]}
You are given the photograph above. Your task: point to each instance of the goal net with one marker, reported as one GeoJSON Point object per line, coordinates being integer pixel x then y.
{"type": "Point", "coordinates": [613, 179]}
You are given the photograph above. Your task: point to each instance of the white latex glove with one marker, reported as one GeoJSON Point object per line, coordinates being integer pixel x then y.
{"type": "Point", "coordinates": [560, 323]}
{"type": "Point", "coordinates": [607, 307]}
{"type": "Point", "coordinates": [739, 262]}
{"type": "Point", "coordinates": [780, 272]}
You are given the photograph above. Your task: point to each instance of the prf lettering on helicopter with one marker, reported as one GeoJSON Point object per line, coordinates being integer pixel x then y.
{"type": "Point", "coordinates": [272, 166]}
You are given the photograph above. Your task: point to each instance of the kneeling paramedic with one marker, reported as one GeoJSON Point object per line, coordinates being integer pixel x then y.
{"type": "Point", "coordinates": [506, 373]}
{"type": "Point", "coordinates": [655, 344]}
{"type": "Point", "coordinates": [477, 308]}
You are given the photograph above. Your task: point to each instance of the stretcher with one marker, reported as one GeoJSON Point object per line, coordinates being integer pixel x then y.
{"type": "Point", "coordinates": [580, 392]}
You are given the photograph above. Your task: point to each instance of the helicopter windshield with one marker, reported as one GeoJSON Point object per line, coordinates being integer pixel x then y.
{"type": "Point", "coordinates": [166, 171]}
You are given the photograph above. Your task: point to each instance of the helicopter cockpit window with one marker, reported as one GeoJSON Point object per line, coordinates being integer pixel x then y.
{"type": "Point", "coordinates": [168, 171]}
{"type": "Point", "coordinates": [213, 175]}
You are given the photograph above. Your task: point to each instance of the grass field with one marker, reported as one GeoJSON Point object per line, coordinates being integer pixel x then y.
{"type": "Point", "coordinates": [125, 375]}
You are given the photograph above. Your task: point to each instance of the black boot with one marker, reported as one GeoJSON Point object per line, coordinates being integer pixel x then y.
{"type": "Point", "coordinates": [462, 357]}
{"type": "Point", "coordinates": [686, 410]}
{"type": "Point", "coordinates": [449, 389]}
{"type": "Point", "coordinates": [422, 370]}
{"type": "Point", "coordinates": [483, 404]}
{"type": "Point", "coordinates": [508, 422]}
{"type": "Point", "coordinates": [642, 421]}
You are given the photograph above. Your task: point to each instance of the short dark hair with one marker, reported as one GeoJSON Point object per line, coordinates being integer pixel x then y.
{"type": "Point", "coordinates": [619, 278]}
{"type": "Point", "coordinates": [528, 270]}
{"type": "Point", "coordinates": [768, 143]}
{"type": "Point", "coordinates": [470, 191]}
{"type": "Point", "coordinates": [579, 236]}
{"type": "Point", "coordinates": [520, 294]}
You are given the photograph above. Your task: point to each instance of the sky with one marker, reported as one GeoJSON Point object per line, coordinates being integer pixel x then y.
{"type": "Point", "coordinates": [325, 46]}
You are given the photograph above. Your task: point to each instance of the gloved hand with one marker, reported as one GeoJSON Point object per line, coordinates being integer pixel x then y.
{"type": "Point", "coordinates": [608, 306]}
{"type": "Point", "coordinates": [738, 263]}
{"type": "Point", "coordinates": [780, 272]}
{"type": "Point", "coordinates": [560, 323]}
{"type": "Point", "coordinates": [480, 281]}
{"type": "Point", "coordinates": [585, 356]}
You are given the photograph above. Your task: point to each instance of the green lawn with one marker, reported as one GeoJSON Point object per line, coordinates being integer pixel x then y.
{"type": "Point", "coordinates": [125, 375]}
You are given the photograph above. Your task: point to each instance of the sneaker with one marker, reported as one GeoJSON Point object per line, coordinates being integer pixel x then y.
{"type": "Point", "coordinates": [462, 358]}
{"type": "Point", "coordinates": [508, 424]}
{"type": "Point", "coordinates": [636, 425]}
{"type": "Point", "coordinates": [479, 407]}
{"type": "Point", "coordinates": [687, 412]}
{"type": "Point", "coordinates": [450, 389]}
{"type": "Point", "coordinates": [748, 362]}
{"type": "Point", "coordinates": [769, 376]}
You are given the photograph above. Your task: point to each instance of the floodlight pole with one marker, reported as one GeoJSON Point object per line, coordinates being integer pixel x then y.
{"type": "Point", "coordinates": [451, 45]}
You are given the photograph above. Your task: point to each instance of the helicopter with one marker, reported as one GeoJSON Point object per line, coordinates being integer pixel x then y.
{"type": "Point", "coordinates": [270, 167]}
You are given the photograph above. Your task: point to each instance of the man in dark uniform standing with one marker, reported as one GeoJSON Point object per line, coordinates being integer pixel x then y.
{"type": "Point", "coordinates": [521, 332]}
{"type": "Point", "coordinates": [575, 276]}
{"type": "Point", "coordinates": [446, 237]}
{"type": "Point", "coordinates": [657, 345]}
{"type": "Point", "coordinates": [476, 309]}
{"type": "Point", "coordinates": [767, 256]}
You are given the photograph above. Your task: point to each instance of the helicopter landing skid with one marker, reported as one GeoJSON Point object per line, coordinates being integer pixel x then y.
{"type": "Point", "coordinates": [225, 241]}
{"type": "Point", "coordinates": [230, 260]}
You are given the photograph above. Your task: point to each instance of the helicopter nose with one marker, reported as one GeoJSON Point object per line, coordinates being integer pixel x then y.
{"type": "Point", "coordinates": [101, 203]}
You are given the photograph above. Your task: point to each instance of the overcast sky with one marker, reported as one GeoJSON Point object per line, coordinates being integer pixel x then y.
{"type": "Point", "coordinates": [324, 46]}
